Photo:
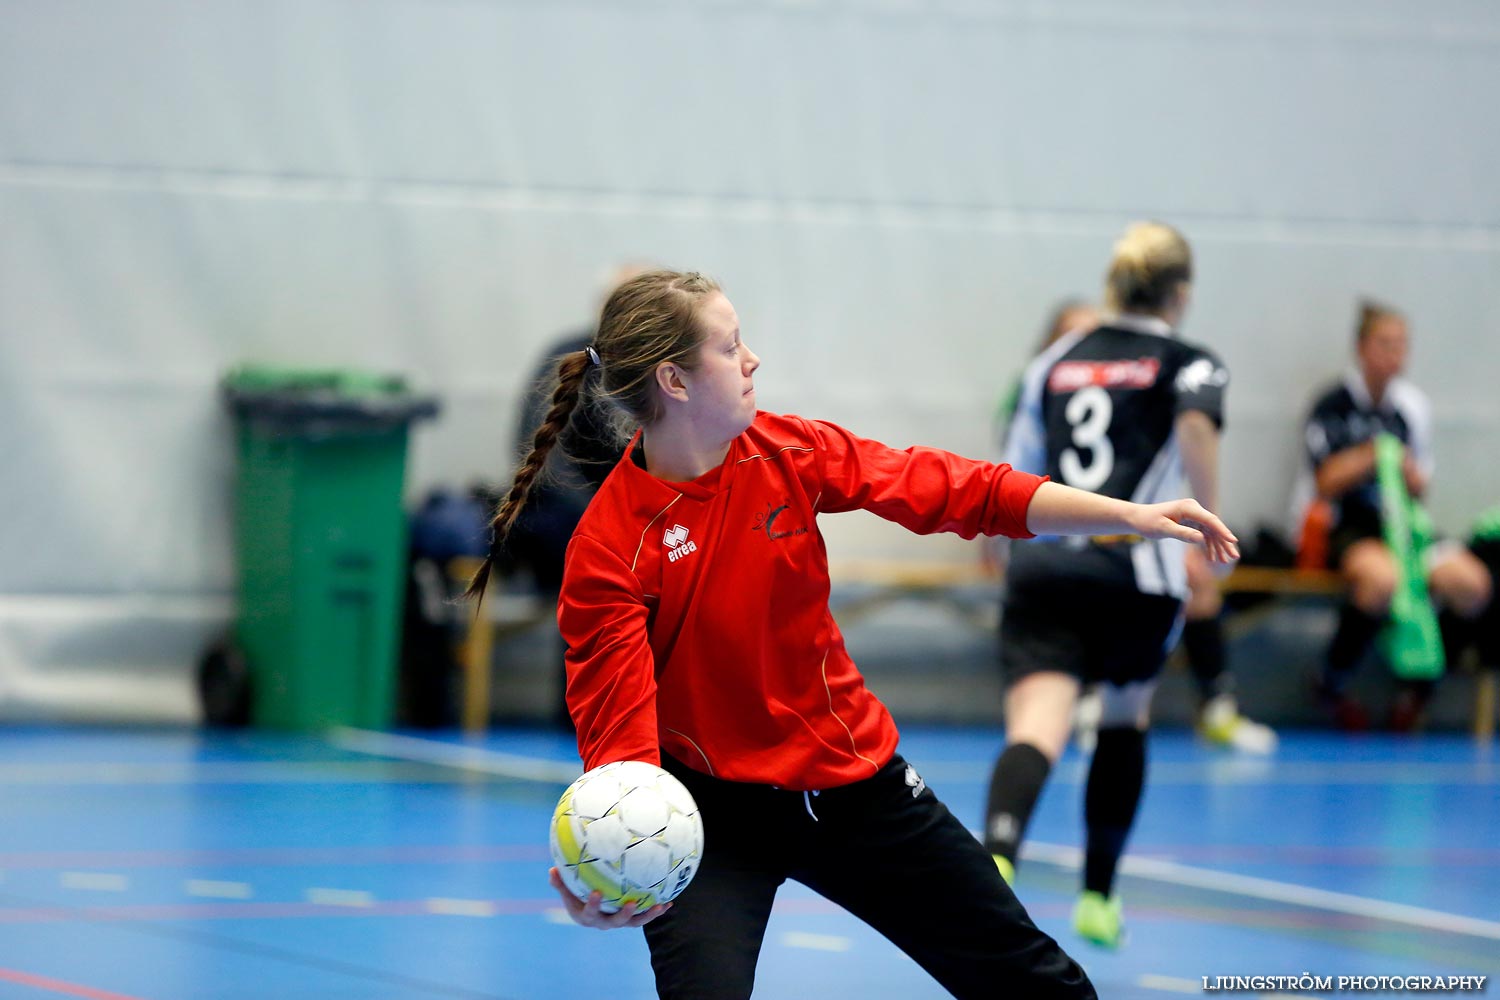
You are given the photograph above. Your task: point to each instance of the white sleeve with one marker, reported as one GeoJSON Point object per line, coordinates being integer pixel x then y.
{"type": "Point", "coordinates": [1026, 438]}
{"type": "Point", "coordinates": [1413, 404]}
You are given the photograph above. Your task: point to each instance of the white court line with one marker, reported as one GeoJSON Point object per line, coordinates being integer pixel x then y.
{"type": "Point", "coordinates": [516, 766]}
{"type": "Point", "coordinates": [358, 898]}
{"type": "Point", "coordinates": [94, 881]}
{"type": "Point", "coordinates": [218, 890]}
{"type": "Point", "coordinates": [281, 772]}
{"type": "Point", "coordinates": [817, 942]}
{"type": "Point", "coordinates": [462, 907]}
{"type": "Point", "coordinates": [505, 765]}
{"type": "Point", "coordinates": [1260, 771]}
{"type": "Point", "coordinates": [1176, 984]}
{"type": "Point", "coordinates": [1278, 892]}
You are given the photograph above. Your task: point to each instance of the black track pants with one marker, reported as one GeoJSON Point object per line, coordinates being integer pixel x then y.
{"type": "Point", "coordinates": [886, 850]}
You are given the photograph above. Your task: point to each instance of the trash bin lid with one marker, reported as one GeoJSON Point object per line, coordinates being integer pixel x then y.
{"type": "Point", "coordinates": [308, 402]}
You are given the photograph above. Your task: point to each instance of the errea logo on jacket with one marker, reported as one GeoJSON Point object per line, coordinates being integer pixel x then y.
{"type": "Point", "coordinates": [676, 539]}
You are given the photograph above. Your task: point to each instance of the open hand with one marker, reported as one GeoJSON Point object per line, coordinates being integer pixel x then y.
{"type": "Point", "coordinates": [588, 913]}
{"type": "Point", "coordinates": [1189, 521]}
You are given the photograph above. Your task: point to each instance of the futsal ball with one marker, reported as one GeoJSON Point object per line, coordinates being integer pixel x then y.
{"type": "Point", "coordinates": [631, 831]}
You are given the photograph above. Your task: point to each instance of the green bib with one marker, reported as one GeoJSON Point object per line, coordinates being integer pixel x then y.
{"type": "Point", "coordinates": [1410, 641]}
{"type": "Point", "coordinates": [1487, 528]}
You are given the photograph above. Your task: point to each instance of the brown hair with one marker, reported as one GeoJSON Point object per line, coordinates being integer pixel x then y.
{"type": "Point", "coordinates": [1149, 262]}
{"type": "Point", "coordinates": [1370, 313]}
{"type": "Point", "coordinates": [648, 320]}
{"type": "Point", "coordinates": [1055, 327]}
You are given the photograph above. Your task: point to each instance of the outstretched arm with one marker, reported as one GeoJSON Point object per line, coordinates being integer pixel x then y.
{"type": "Point", "coordinates": [1198, 443]}
{"type": "Point", "coordinates": [1062, 510]}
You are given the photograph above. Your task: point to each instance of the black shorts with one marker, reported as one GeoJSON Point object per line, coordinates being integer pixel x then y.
{"type": "Point", "coordinates": [1487, 551]}
{"type": "Point", "coordinates": [1356, 523]}
{"type": "Point", "coordinates": [1093, 631]}
{"type": "Point", "coordinates": [883, 848]}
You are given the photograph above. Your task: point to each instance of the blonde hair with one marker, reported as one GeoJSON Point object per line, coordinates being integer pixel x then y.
{"type": "Point", "coordinates": [1370, 313]}
{"type": "Point", "coordinates": [1150, 261]}
{"type": "Point", "coordinates": [647, 320]}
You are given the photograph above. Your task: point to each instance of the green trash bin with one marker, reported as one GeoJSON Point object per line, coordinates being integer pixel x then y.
{"type": "Point", "coordinates": [320, 536]}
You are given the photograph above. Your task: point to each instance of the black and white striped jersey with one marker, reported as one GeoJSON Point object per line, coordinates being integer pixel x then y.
{"type": "Point", "coordinates": [1098, 412]}
{"type": "Point", "coordinates": [1344, 415]}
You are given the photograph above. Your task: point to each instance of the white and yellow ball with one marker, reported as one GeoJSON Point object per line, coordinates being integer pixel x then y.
{"type": "Point", "coordinates": [630, 830]}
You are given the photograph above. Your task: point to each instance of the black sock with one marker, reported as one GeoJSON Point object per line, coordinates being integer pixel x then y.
{"type": "Point", "coordinates": [1015, 784]}
{"type": "Point", "coordinates": [1203, 642]}
{"type": "Point", "coordinates": [1117, 774]}
{"type": "Point", "coordinates": [1458, 634]}
{"type": "Point", "coordinates": [1355, 633]}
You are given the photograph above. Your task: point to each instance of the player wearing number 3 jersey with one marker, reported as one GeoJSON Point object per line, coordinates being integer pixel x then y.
{"type": "Point", "coordinates": [1126, 410]}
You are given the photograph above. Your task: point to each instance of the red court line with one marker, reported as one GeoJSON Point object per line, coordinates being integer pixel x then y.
{"type": "Point", "coordinates": [255, 911]}
{"type": "Point", "coordinates": [59, 986]}
{"type": "Point", "coordinates": [440, 854]}
{"type": "Point", "coordinates": [278, 856]}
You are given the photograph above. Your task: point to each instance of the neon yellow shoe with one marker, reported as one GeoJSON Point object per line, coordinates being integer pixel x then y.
{"type": "Point", "coordinates": [1099, 920]}
{"type": "Point", "coordinates": [1007, 868]}
{"type": "Point", "coordinates": [1221, 723]}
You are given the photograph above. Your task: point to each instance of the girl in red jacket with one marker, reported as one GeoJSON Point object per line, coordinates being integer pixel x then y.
{"type": "Point", "coordinates": [695, 609]}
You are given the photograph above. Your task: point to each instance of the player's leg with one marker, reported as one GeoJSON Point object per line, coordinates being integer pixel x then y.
{"type": "Point", "coordinates": [1086, 719]}
{"type": "Point", "coordinates": [1219, 718]}
{"type": "Point", "coordinates": [1370, 573]}
{"type": "Point", "coordinates": [1038, 719]}
{"type": "Point", "coordinates": [893, 855]}
{"type": "Point", "coordinates": [1202, 638]}
{"type": "Point", "coordinates": [708, 943]}
{"type": "Point", "coordinates": [1041, 654]}
{"type": "Point", "coordinates": [1117, 778]}
{"type": "Point", "coordinates": [1486, 627]}
{"type": "Point", "coordinates": [1459, 581]}
{"type": "Point", "coordinates": [1127, 653]}
{"type": "Point", "coordinates": [1460, 587]}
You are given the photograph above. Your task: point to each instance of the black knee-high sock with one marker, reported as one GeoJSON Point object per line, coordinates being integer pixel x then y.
{"type": "Point", "coordinates": [1203, 641]}
{"type": "Point", "coordinates": [1117, 775]}
{"type": "Point", "coordinates": [1458, 632]}
{"type": "Point", "coordinates": [1015, 784]}
{"type": "Point", "coordinates": [1355, 633]}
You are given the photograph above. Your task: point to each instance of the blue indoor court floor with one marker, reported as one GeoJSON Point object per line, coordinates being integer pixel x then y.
{"type": "Point", "coordinates": [178, 865]}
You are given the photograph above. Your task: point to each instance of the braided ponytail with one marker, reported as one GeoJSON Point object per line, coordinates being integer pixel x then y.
{"type": "Point", "coordinates": [647, 320]}
{"type": "Point", "coordinates": [571, 372]}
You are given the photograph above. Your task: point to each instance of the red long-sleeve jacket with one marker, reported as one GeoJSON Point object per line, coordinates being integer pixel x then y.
{"type": "Point", "coordinates": [696, 614]}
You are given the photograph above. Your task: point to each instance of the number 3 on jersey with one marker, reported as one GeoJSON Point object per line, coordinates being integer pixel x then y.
{"type": "Point", "coordinates": [1088, 413]}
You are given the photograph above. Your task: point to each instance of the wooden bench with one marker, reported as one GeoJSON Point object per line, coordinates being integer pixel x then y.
{"type": "Point", "coordinates": [877, 583]}
{"type": "Point", "coordinates": [503, 613]}
{"type": "Point", "coordinates": [938, 581]}
{"type": "Point", "coordinates": [1280, 582]}
{"type": "Point", "coordinates": [920, 577]}
{"type": "Point", "coordinates": [1276, 581]}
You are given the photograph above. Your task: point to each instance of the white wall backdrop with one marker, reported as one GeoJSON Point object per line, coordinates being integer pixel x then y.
{"type": "Point", "coordinates": [893, 193]}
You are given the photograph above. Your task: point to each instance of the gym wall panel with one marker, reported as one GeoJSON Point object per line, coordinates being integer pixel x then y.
{"type": "Point", "coordinates": [894, 194]}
